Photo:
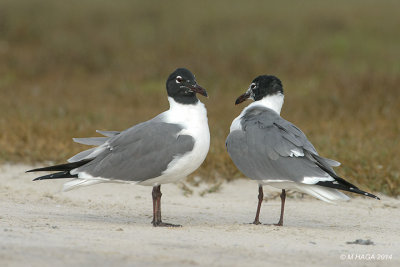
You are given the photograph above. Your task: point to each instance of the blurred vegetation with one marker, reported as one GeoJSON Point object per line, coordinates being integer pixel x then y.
{"type": "Point", "coordinates": [68, 68]}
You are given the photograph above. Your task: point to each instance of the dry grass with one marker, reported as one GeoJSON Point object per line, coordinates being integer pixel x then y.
{"type": "Point", "coordinates": [68, 68]}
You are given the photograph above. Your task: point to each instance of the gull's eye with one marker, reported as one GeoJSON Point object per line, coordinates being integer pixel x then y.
{"type": "Point", "coordinates": [179, 79]}
{"type": "Point", "coordinates": [253, 85]}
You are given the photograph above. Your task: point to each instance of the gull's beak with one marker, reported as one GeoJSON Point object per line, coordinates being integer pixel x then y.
{"type": "Point", "coordinates": [198, 89]}
{"type": "Point", "coordinates": [243, 97]}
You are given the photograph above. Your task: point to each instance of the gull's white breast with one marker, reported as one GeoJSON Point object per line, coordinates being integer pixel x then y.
{"type": "Point", "coordinates": [193, 119]}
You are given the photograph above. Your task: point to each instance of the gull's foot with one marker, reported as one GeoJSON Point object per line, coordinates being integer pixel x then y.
{"type": "Point", "coordinates": [163, 224]}
{"type": "Point", "coordinates": [256, 223]}
{"type": "Point", "coordinates": [273, 224]}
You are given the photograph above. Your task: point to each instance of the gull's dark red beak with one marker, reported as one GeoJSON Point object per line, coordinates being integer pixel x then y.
{"type": "Point", "coordinates": [242, 98]}
{"type": "Point", "coordinates": [198, 89]}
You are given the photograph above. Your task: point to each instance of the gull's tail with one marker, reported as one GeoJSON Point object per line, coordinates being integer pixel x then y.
{"type": "Point", "coordinates": [63, 170]}
{"type": "Point", "coordinates": [342, 184]}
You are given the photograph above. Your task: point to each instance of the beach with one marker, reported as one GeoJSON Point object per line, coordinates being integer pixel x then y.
{"type": "Point", "coordinates": [109, 224]}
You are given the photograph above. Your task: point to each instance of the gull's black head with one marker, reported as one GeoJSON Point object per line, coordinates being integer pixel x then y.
{"type": "Point", "coordinates": [182, 87]}
{"type": "Point", "coordinates": [260, 87]}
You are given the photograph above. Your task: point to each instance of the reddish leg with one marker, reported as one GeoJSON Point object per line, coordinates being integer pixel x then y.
{"type": "Point", "coordinates": [154, 195]}
{"type": "Point", "coordinates": [283, 198]}
{"type": "Point", "coordinates": [157, 209]}
{"type": "Point", "coordinates": [260, 199]}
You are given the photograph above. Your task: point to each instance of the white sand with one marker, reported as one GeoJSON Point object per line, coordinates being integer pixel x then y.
{"type": "Point", "coordinates": [109, 224]}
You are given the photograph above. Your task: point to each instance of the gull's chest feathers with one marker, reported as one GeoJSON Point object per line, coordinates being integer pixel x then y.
{"type": "Point", "coordinates": [193, 119]}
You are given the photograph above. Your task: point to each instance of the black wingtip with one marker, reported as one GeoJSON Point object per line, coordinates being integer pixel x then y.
{"type": "Point", "coordinates": [361, 192]}
{"type": "Point", "coordinates": [338, 184]}
{"type": "Point", "coordinates": [342, 184]}
{"type": "Point", "coordinates": [62, 167]}
{"type": "Point", "coordinates": [57, 175]}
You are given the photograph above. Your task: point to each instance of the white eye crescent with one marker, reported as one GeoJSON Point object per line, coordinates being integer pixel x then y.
{"type": "Point", "coordinates": [253, 85]}
{"type": "Point", "coordinates": [178, 79]}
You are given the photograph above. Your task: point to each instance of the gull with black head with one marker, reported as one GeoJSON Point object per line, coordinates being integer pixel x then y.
{"type": "Point", "coordinates": [274, 152]}
{"type": "Point", "coordinates": [162, 150]}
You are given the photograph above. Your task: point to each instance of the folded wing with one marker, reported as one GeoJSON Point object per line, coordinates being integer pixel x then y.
{"type": "Point", "coordinates": [139, 153]}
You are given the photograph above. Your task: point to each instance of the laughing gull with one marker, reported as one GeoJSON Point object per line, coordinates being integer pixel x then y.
{"type": "Point", "coordinates": [162, 150]}
{"type": "Point", "coordinates": [274, 152]}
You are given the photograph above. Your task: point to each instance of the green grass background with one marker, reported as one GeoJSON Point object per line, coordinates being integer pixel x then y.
{"type": "Point", "coordinates": [68, 68]}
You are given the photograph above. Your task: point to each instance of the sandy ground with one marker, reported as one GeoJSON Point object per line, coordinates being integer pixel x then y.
{"type": "Point", "coordinates": [109, 224]}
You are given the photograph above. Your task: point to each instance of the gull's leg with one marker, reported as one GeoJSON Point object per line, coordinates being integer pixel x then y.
{"type": "Point", "coordinates": [260, 199]}
{"type": "Point", "coordinates": [158, 221]}
{"type": "Point", "coordinates": [154, 195]}
{"type": "Point", "coordinates": [158, 205]}
{"type": "Point", "coordinates": [283, 197]}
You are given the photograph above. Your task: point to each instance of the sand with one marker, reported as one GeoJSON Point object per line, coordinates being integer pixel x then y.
{"type": "Point", "coordinates": [109, 224]}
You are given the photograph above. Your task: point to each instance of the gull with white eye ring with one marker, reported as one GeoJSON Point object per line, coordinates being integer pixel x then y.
{"type": "Point", "coordinates": [178, 79]}
{"type": "Point", "coordinates": [271, 150]}
{"type": "Point", "coordinates": [162, 150]}
{"type": "Point", "coordinates": [186, 85]}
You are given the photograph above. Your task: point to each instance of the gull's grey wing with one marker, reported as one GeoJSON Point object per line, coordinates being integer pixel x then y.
{"type": "Point", "coordinates": [295, 136]}
{"type": "Point", "coordinates": [87, 154]}
{"type": "Point", "coordinates": [271, 148]}
{"type": "Point", "coordinates": [108, 133]}
{"type": "Point", "coordinates": [91, 141]}
{"type": "Point", "coordinates": [139, 153]}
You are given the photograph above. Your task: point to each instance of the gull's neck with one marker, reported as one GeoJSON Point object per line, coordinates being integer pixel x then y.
{"type": "Point", "coordinates": [176, 105]}
{"type": "Point", "coordinates": [187, 113]}
{"type": "Point", "coordinates": [273, 102]}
